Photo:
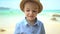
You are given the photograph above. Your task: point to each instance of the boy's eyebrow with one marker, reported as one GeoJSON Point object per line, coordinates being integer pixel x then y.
{"type": "Point", "coordinates": [36, 8]}
{"type": "Point", "coordinates": [33, 8]}
{"type": "Point", "coordinates": [27, 8]}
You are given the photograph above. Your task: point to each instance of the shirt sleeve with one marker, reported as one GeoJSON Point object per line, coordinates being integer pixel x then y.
{"type": "Point", "coordinates": [17, 29]}
{"type": "Point", "coordinates": [42, 29]}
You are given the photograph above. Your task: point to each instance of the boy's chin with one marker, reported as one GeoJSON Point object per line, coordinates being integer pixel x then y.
{"type": "Point", "coordinates": [30, 19]}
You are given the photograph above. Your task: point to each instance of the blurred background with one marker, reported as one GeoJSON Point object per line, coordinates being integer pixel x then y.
{"type": "Point", "coordinates": [10, 14]}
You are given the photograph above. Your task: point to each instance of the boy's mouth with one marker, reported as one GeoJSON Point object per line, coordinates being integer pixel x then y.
{"type": "Point", "coordinates": [30, 16]}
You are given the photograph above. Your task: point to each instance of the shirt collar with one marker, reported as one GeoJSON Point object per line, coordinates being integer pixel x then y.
{"type": "Point", "coordinates": [26, 23]}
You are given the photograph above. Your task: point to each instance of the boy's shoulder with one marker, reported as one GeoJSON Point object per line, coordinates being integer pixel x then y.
{"type": "Point", "coordinates": [40, 22]}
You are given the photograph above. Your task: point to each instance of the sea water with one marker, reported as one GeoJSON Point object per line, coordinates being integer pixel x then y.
{"type": "Point", "coordinates": [9, 18]}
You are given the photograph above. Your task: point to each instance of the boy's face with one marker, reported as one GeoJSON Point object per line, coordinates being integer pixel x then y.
{"type": "Point", "coordinates": [31, 10]}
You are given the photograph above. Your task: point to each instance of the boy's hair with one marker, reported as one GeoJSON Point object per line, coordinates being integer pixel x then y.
{"type": "Point", "coordinates": [33, 1]}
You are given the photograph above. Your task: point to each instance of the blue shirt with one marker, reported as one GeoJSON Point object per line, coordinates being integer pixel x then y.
{"type": "Point", "coordinates": [24, 28]}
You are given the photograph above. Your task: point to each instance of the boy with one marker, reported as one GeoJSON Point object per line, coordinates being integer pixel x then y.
{"type": "Point", "coordinates": [30, 25]}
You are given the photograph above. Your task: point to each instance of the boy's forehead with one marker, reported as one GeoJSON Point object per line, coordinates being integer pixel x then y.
{"type": "Point", "coordinates": [31, 5]}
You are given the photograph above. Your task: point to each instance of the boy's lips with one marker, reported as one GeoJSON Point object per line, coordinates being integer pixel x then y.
{"type": "Point", "coordinates": [30, 16]}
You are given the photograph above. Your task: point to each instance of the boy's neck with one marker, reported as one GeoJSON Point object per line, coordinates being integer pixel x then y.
{"type": "Point", "coordinates": [32, 22]}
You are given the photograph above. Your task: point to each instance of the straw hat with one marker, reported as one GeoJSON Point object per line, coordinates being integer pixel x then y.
{"type": "Point", "coordinates": [35, 1]}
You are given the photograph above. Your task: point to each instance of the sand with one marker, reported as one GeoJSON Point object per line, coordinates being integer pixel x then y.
{"type": "Point", "coordinates": [8, 24]}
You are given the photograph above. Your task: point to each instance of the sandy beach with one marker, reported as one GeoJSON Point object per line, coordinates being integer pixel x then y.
{"type": "Point", "coordinates": [7, 24]}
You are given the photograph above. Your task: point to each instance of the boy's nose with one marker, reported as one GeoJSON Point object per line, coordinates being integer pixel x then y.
{"type": "Point", "coordinates": [31, 12]}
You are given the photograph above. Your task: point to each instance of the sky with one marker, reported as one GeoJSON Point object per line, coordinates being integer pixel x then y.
{"type": "Point", "coordinates": [47, 4]}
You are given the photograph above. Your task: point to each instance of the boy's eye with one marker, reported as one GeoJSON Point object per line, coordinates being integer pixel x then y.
{"type": "Point", "coordinates": [34, 11]}
{"type": "Point", "coordinates": [27, 10]}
